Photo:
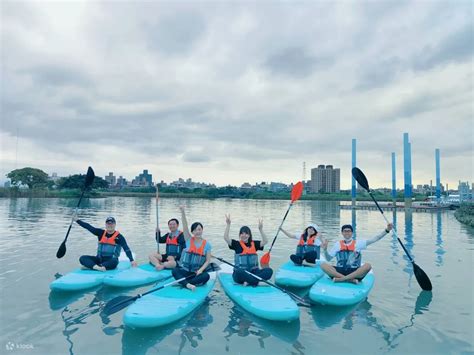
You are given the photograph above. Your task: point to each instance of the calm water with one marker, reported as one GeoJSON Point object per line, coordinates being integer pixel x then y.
{"type": "Point", "coordinates": [396, 318]}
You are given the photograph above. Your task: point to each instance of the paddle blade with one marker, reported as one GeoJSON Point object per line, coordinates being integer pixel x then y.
{"type": "Point", "coordinates": [360, 178]}
{"type": "Point", "coordinates": [117, 304]}
{"type": "Point", "coordinates": [297, 191]}
{"type": "Point", "coordinates": [265, 259]}
{"type": "Point", "coordinates": [422, 278]}
{"type": "Point", "coordinates": [89, 177]}
{"type": "Point", "coordinates": [61, 251]}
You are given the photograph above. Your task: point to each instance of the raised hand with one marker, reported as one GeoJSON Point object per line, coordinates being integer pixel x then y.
{"type": "Point", "coordinates": [227, 219]}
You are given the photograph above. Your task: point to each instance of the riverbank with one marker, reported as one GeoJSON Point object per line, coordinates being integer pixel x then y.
{"type": "Point", "coordinates": [465, 214]}
{"type": "Point", "coordinates": [205, 194]}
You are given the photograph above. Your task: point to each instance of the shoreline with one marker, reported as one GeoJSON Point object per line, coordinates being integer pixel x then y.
{"type": "Point", "coordinates": [4, 193]}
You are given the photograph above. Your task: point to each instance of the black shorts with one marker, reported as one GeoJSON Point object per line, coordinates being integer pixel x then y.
{"type": "Point", "coordinates": [164, 257]}
{"type": "Point", "coordinates": [347, 270]}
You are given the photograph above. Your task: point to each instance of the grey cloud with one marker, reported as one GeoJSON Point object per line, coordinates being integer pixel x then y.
{"type": "Point", "coordinates": [295, 62]}
{"type": "Point", "coordinates": [57, 75]}
{"type": "Point", "coordinates": [195, 157]}
{"type": "Point", "coordinates": [457, 47]}
{"type": "Point", "coordinates": [175, 33]}
{"type": "Point", "coordinates": [379, 74]}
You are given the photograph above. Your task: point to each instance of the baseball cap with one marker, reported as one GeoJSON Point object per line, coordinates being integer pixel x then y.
{"type": "Point", "coordinates": [110, 220]}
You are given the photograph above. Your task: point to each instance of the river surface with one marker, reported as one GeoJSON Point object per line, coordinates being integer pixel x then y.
{"type": "Point", "coordinates": [398, 317]}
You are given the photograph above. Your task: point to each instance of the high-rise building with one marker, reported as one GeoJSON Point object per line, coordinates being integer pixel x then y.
{"type": "Point", "coordinates": [325, 179]}
{"type": "Point", "coordinates": [111, 179]}
{"type": "Point", "coordinates": [144, 179]}
{"type": "Point", "coordinates": [121, 181]}
{"type": "Point", "coordinates": [464, 193]}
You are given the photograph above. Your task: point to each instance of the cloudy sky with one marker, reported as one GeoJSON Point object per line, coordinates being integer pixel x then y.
{"type": "Point", "coordinates": [239, 91]}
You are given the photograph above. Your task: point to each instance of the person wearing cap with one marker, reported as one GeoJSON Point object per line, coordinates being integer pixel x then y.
{"type": "Point", "coordinates": [175, 244]}
{"type": "Point", "coordinates": [245, 257]}
{"type": "Point", "coordinates": [347, 251]}
{"type": "Point", "coordinates": [110, 245]}
{"type": "Point", "coordinates": [309, 245]}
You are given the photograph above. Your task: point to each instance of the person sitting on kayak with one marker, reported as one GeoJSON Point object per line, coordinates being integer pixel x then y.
{"type": "Point", "coordinates": [348, 255]}
{"type": "Point", "coordinates": [110, 245]}
{"type": "Point", "coordinates": [246, 254]}
{"type": "Point", "coordinates": [195, 257]}
{"type": "Point", "coordinates": [175, 243]}
{"type": "Point", "coordinates": [309, 245]}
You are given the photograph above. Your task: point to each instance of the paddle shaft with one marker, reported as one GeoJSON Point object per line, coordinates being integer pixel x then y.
{"type": "Point", "coordinates": [394, 231]}
{"type": "Point", "coordinates": [262, 280]}
{"type": "Point", "coordinates": [75, 212]}
{"type": "Point", "coordinates": [157, 218]}
{"type": "Point", "coordinates": [281, 225]}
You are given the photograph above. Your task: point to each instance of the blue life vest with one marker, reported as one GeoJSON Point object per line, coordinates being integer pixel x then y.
{"type": "Point", "coordinates": [308, 246]}
{"type": "Point", "coordinates": [347, 256]}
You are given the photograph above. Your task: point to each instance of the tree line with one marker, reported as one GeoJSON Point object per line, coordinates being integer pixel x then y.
{"type": "Point", "coordinates": [38, 179]}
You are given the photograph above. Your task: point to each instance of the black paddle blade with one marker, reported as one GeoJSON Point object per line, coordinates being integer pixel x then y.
{"type": "Point", "coordinates": [117, 304]}
{"type": "Point", "coordinates": [61, 251]}
{"type": "Point", "coordinates": [300, 301]}
{"type": "Point", "coordinates": [89, 178]}
{"type": "Point", "coordinates": [422, 278]}
{"type": "Point", "coordinates": [360, 178]}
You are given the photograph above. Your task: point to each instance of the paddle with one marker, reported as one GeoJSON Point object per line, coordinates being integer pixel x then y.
{"type": "Point", "coordinates": [157, 217]}
{"type": "Point", "coordinates": [421, 277]}
{"type": "Point", "coordinates": [299, 300]}
{"type": "Point", "coordinates": [121, 302]}
{"type": "Point", "coordinates": [295, 195]}
{"type": "Point", "coordinates": [89, 180]}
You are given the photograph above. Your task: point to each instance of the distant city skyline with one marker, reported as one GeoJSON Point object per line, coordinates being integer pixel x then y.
{"type": "Point", "coordinates": [239, 92]}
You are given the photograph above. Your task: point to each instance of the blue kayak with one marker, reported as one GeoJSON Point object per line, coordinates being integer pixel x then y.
{"type": "Point", "coordinates": [263, 301]}
{"type": "Point", "coordinates": [81, 279]}
{"type": "Point", "coordinates": [166, 305]}
{"type": "Point", "coordinates": [136, 276]}
{"type": "Point", "coordinates": [291, 275]}
{"type": "Point", "coordinates": [326, 291]}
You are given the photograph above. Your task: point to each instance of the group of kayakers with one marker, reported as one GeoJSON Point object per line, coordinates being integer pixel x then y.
{"type": "Point", "coordinates": [188, 254]}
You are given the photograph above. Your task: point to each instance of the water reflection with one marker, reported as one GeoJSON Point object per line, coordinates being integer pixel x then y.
{"type": "Point", "coordinates": [439, 240]}
{"type": "Point", "coordinates": [354, 222]}
{"type": "Point", "coordinates": [244, 324]}
{"type": "Point", "coordinates": [326, 214]}
{"type": "Point", "coordinates": [74, 317]}
{"type": "Point", "coordinates": [394, 242]}
{"type": "Point", "coordinates": [421, 306]}
{"type": "Point", "coordinates": [140, 341]}
{"type": "Point", "coordinates": [408, 239]}
{"type": "Point", "coordinates": [327, 316]}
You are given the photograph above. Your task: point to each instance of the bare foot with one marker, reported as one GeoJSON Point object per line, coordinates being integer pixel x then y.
{"type": "Point", "coordinates": [339, 279]}
{"type": "Point", "coordinates": [190, 287]}
{"type": "Point", "coordinates": [159, 267]}
{"type": "Point", "coordinates": [245, 283]}
{"type": "Point", "coordinates": [354, 281]}
{"type": "Point", "coordinates": [100, 268]}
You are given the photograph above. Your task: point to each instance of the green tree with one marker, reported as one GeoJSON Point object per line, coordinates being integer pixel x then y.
{"type": "Point", "coordinates": [33, 178]}
{"type": "Point", "coordinates": [77, 182]}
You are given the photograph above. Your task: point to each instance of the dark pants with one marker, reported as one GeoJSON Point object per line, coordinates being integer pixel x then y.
{"type": "Point", "coordinates": [89, 261]}
{"type": "Point", "coordinates": [198, 280]}
{"type": "Point", "coordinates": [240, 276]}
{"type": "Point", "coordinates": [310, 257]}
{"type": "Point", "coordinates": [347, 270]}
